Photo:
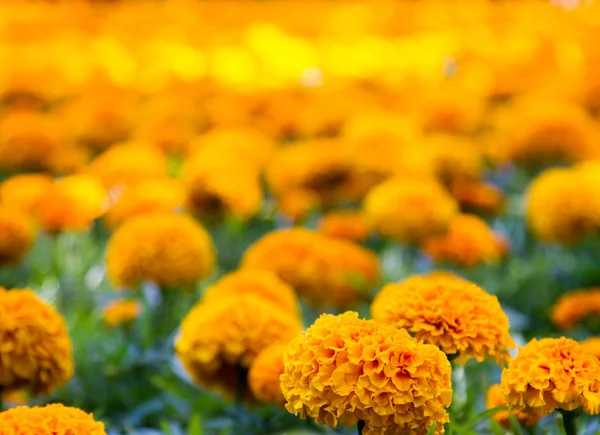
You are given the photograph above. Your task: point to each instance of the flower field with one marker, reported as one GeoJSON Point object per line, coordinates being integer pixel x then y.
{"type": "Point", "coordinates": [295, 218]}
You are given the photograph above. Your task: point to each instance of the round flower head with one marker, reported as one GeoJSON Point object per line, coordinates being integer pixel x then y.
{"type": "Point", "coordinates": [220, 339]}
{"type": "Point", "coordinates": [344, 369]}
{"type": "Point", "coordinates": [477, 197]}
{"type": "Point", "coordinates": [121, 311]}
{"type": "Point", "coordinates": [37, 352]}
{"type": "Point", "coordinates": [591, 345]}
{"type": "Point", "coordinates": [55, 419]}
{"type": "Point", "coordinates": [264, 375]}
{"type": "Point", "coordinates": [454, 158]}
{"type": "Point", "coordinates": [25, 191]}
{"type": "Point", "coordinates": [146, 196]}
{"type": "Point", "coordinates": [17, 235]}
{"type": "Point", "coordinates": [324, 270]}
{"type": "Point", "coordinates": [350, 225]}
{"type": "Point", "coordinates": [495, 399]}
{"type": "Point", "coordinates": [454, 111]}
{"type": "Point", "coordinates": [549, 374]}
{"type": "Point", "coordinates": [468, 242]}
{"type": "Point", "coordinates": [572, 308]}
{"type": "Point", "coordinates": [409, 210]}
{"type": "Point", "coordinates": [563, 205]}
{"type": "Point", "coordinates": [168, 249]}
{"type": "Point", "coordinates": [261, 283]}
{"type": "Point", "coordinates": [127, 163]}
{"type": "Point", "coordinates": [454, 314]}
{"type": "Point", "coordinates": [297, 205]}
{"type": "Point", "coordinates": [72, 203]}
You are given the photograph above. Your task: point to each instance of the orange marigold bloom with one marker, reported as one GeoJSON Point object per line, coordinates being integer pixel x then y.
{"type": "Point", "coordinates": [573, 307]}
{"type": "Point", "coordinates": [350, 225]}
{"type": "Point", "coordinates": [17, 235]}
{"type": "Point", "coordinates": [298, 204]}
{"type": "Point", "coordinates": [454, 111]}
{"type": "Point", "coordinates": [36, 352]}
{"type": "Point", "coordinates": [324, 270]}
{"type": "Point", "coordinates": [477, 197]}
{"type": "Point", "coordinates": [450, 312]}
{"type": "Point", "coordinates": [344, 369]}
{"type": "Point", "coordinates": [409, 210]}
{"type": "Point", "coordinates": [25, 191]}
{"type": "Point", "coordinates": [468, 242]}
{"type": "Point", "coordinates": [262, 283]}
{"type": "Point", "coordinates": [264, 374]}
{"type": "Point", "coordinates": [552, 373]}
{"type": "Point", "coordinates": [454, 158]}
{"type": "Point", "coordinates": [591, 345]}
{"type": "Point", "coordinates": [122, 311]}
{"type": "Point", "coordinates": [146, 196]}
{"type": "Point", "coordinates": [15, 397]}
{"type": "Point", "coordinates": [167, 249]}
{"type": "Point", "coordinates": [72, 203]}
{"type": "Point", "coordinates": [129, 162]}
{"type": "Point", "coordinates": [495, 399]}
{"type": "Point", "coordinates": [49, 420]}
{"type": "Point", "coordinates": [221, 338]}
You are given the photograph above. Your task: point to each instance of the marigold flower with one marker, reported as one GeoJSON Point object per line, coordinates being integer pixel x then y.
{"type": "Point", "coordinates": [574, 307]}
{"type": "Point", "coordinates": [121, 311]}
{"type": "Point", "coordinates": [591, 345]}
{"type": "Point", "coordinates": [495, 399]}
{"type": "Point", "coordinates": [453, 112]}
{"type": "Point", "coordinates": [476, 197]}
{"type": "Point", "coordinates": [262, 283]}
{"type": "Point", "coordinates": [350, 225]}
{"type": "Point", "coordinates": [25, 191]}
{"type": "Point", "coordinates": [167, 249]}
{"type": "Point", "coordinates": [221, 338]}
{"type": "Point", "coordinates": [468, 242]}
{"type": "Point", "coordinates": [324, 270]}
{"type": "Point", "coordinates": [72, 203]}
{"type": "Point", "coordinates": [409, 210]}
{"type": "Point", "coordinates": [127, 163]}
{"type": "Point", "coordinates": [344, 369]}
{"type": "Point", "coordinates": [15, 397]}
{"type": "Point", "coordinates": [17, 235]}
{"type": "Point", "coordinates": [454, 158]}
{"type": "Point", "coordinates": [552, 373]}
{"type": "Point", "coordinates": [450, 312]}
{"type": "Point", "coordinates": [49, 420]}
{"type": "Point", "coordinates": [264, 374]}
{"type": "Point", "coordinates": [146, 196]}
{"type": "Point", "coordinates": [36, 352]}
{"type": "Point", "coordinates": [298, 204]}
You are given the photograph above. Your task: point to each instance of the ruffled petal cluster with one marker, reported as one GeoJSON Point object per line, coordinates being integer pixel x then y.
{"type": "Point", "coordinates": [344, 369]}
{"type": "Point", "coordinates": [571, 308]}
{"type": "Point", "coordinates": [495, 399]}
{"type": "Point", "coordinates": [36, 351]}
{"type": "Point", "coordinates": [55, 419]}
{"type": "Point", "coordinates": [17, 235]}
{"type": "Point", "coordinates": [324, 270]}
{"type": "Point", "coordinates": [452, 313]}
{"type": "Point", "coordinates": [350, 225]}
{"type": "Point", "coordinates": [552, 373]}
{"type": "Point", "coordinates": [165, 248]}
{"type": "Point", "coordinates": [264, 374]}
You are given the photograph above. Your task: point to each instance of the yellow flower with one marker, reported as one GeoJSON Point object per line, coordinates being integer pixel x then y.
{"type": "Point", "coordinates": [264, 374]}
{"type": "Point", "coordinates": [344, 369]}
{"type": "Point", "coordinates": [495, 399]}
{"type": "Point", "coordinates": [145, 196]}
{"type": "Point", "coordinates": [409, 209]}
{"type": "Point", "coordinates": [563, 205]}
{"type": "Point", "coordinates": [220, 339]}
{"type": "Point", "coordinates": [128, 163]}
{"type": "Point", "coordinates": [454, 158]}
{"type": "Point", "coordinates": [72, 203]}
{"type": "Point", "coordinates": [468, 242]}
{"type": "Point", "coordinates": [17, 235]}
{"type": "Point", "coordinates": [121, 311]}
{"type": "Point", "coordinates": [324, 270]}
{"type": "Point", "coordinates": [350, 225]}
{"type": "Point", "coordinates": [36, 353]}
{"type": "Point", "coordinates": [574, 307]}
{"type": "Point", "coordinates": [591, 345]}
{"type": "Point", "coordinates": [477, 197]}
{"type": "Point", "coordinates": [168, 249]}
{"type": "Point", "coordinates": [552, 373]}
{"type": "Point", "coordinates": [49, 420]}
{"type": "Point", "coordinates": [453, 111]}
{"type": "Point", "coordinates": [454, 314]}
{"type": "Point", "coordinates": [25, 191]}
{"type": "Point", "coordinates": [262, 283]}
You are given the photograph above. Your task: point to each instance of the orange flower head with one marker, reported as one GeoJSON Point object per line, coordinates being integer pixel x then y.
{"type": "Point", "coordinates": [17, 235]}
{"type": "Point", "coordinates": [25, 191]}
{"type": "Point", "coordinates": [495, 399]}
{"type": "Point", "coordinates": [37, 354]}
{"type": "Point", "coordinates": [52, 419]}
{"type": "Point", "coordinates": [121, 312]}
{"type": "Point", "coordinates": [349, 225]}
{"type": "Point", "coordinates": [454, 158]}
{"type": "Point", "coordinates": [591, 345]}
{"type": "Point", "coordinates": [297, 205]}
{"type": "Point", "coordinates": [344, 369]}
{"type": "Point", "coordinates": [450, 312]}
{"type": "Point", "coordinates": [572, 308]}
{"type": "Point", "coordinates": [477, 197]}
{"type": "Point", "coordinates": [549, 374]}
{"type": "Point", "coordinates": [264, 374]}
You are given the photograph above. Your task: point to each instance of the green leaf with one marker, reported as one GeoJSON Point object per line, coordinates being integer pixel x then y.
{"type": "Point", "coordinates": [166, 427]}
{"type": "Point", "coordinates": [496, 428]}
{"type": "Point", "coordinates": [515, 426]}
{"type": "Point", "coordinates": [195, 427]}
{"type": "Point", "coordinates": [484, 414]}
{"type": "Point", "coordinates": [431, 429]}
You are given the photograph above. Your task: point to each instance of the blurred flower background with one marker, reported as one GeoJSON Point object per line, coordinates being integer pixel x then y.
{"type": "Point", "coordinates": [317, 217]}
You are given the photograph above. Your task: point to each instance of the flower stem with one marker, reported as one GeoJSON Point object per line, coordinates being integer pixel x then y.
{"type": "Point", "coordinates": [569, 422]}
{"type": "Point", "coordinates": [360, 426]}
